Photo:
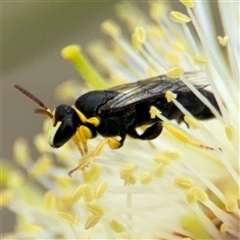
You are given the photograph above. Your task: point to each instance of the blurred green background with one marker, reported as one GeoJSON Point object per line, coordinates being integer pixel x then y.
{"type": "Point", "coordinates": [33, 34]}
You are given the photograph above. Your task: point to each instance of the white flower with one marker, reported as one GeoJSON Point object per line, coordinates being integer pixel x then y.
{"type": "Point", "coordinates": [166, 189]}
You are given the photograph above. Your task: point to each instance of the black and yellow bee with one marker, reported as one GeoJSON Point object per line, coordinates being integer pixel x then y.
{"type": "Point", "coordinates": [118, 111]}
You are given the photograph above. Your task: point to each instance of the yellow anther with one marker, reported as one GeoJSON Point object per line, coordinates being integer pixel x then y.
{"type": "Point", "coordinates": [101, 189]}
{"type": "Point", "coordinates": [156, 10]}
{"type": "Point", "coordinates": [223, 40]}
{"type": "Point", "coordinates": [128, 170]}
{"type": "Point", "coordinates": [160, 170]}
{"type": "Point", "coordinates": [170, 96]}
{"type": "Point", "coordinates": [230, 132]}
{"type": "Point", "coordinates": [201, 194]}
{"type": "Point", "coordinates": [154, 31]}
{"type": "Point", "coordinates": [71, 52]}
{"type": "Point", "coordinates": [179, 17]}
{"type": "Point", "coordinates": [183, 183]}
{"type": "Point", "coordinates": [231, 205]}
{"type": "Point", "coordinates": [135, 43]}
{"type": "Point", "coordinates": [42, 165]}
{"type": "Point", "coordinates": [14, 179]}
{"type": "Point", "coordinates": [130, 181]}
{"type": "Point", "coordinates": [200, 60]}
{"type": "Point", "coordinates": [223, 228]}
{"type": "Point", "coordinates": [192, 122]}
{"type": "Point", "coordinates": [173, 154]}
{"type": "Point", "coordinates": [78, 193]}
{"type": "Point", "coordinates": [21, 151]}
{"type": "Point", "coordinates": [110, 28]}
{"type": "Point", "coordinates": [95, 209]}
{"type": "Point", "coordinates": [92, 221]}
{"type": "Point", "coordinates": [6, 196]}
{"type": "Point", "coordinates": [154, 112]}
{"type": "Point", "coordinates": [140, 33]}
{"type": "Point", "coordinates": [92, 174]}
{"type": "Point", "coordinates": [173, 59]}
{"type": "Point", "coordinates": [187, 3]}
{"type": "Point", "coordinates": [162, 159]}
{"type": "Point", "coordinates": [66, 217]}
{"type": "Point", "coordinates": [88, 193]}
{"type": "Point", "coordinates": [116, 226]}
{"type": "Point", "coordinates": [179, 47]}
{"type": "Point", "coordinates": [175, 72]}
{"type": "Point", "coordinates": [191, 196]}
{"type": "Point", "coordinates": [146, 178]}
{"type": "Point", "coordinates": [49, 200]}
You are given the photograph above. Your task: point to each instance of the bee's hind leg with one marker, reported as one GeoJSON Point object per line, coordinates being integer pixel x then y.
{"type": "Point", "coordinates": [150, 133]}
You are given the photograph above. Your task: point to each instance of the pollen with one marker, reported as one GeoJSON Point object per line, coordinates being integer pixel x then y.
{"type": "Point", "coordinates": [88, 193]}
{"type": "Point", "coordinates": [200, 60]}
{"type": "Point", "coordinates": [135, 43]}
{"type": "Point", "coordinates": [127, 174]}
{"type": "Point", "coordinates": [201, 194]}
{"type": "Point", "coordinates": [154, 112]}
{"type": "Point", "coordinates": [224, 228]}
{"type": "Point", "coordinates": [49, 200]}
{"type": "Point", "coordinates": [6, 196]}
{"type": "Point", "coordinates": [66, 217]}
{"type": "Point", "coordinates": [183, 183]}
{"type": "Point", "coordinates": [173, 154]}
{"type": "Point", "coordinates": [78, 193]}
{"type": "Point", "coordinates": [128, 170]}
{"type": "Point", "coordinates": [160, 169]}
{"type": "Point", "coordinates": [187, 3]}
{"type": "Point", "coordinates": [95, 209]}
{"type": "Point", "coordinates": [116, 226]}
{"type": "Point", "coordinates": [141, 35]}
{"type": "Point", "coordinates": [146, 178]}
{"type": "Point", "coordinates": [170, 96]}
{"type": "Point", "coordinates": [21, 151]}
{"type": "Point", "coordinates": [162, 159]}
{"type": "Point", "coordinates": [101, 189]}
{"type": "Point", "coordinates": [110, 28]}
{"type": "Point", "coordinates": [173, 59]}
{"type": "Point", "coordinates": [156, 11]}
{"type": "Point", "coordinates": [231, 205]}
{"type": "Point", "coordinates": [192, 122]}
{"type": "Point", "coordinates": [191, 196]}
{"type": "Point", "coordinates": [179, 17]}
{"type": "Point", "coordinates": [92, 221]}
{"type": "Point", "coordinates": [93, 174]}
{"type": "Point", "coordinates": [175, 72]}
{"type": "Point", "coordinates": [229, 130]}
{"type": "Point", "coordinates": [42, 166]}
{"type": "Point", "coordinates": [223, 41]}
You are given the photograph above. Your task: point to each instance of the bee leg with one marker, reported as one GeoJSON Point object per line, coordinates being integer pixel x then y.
{"type": "Point", "coordinates": [112, 143]}
{"type": "Point", "coordinates": [150, 133]}
{"type": "Point", "coordinates": [87, 158]}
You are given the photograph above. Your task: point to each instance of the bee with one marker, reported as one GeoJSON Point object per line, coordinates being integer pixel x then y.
{"type": "Point", "coordinates": [118, 111]}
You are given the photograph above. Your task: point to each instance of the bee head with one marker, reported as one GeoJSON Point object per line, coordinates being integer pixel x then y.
{"type": "Point", "coordinates": [64, 120]}
{"type": "Point", "coordinates": [63, 125]}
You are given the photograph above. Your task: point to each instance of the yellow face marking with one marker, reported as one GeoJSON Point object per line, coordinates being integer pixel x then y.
{"type": "Point", "coordinates": [52, 132]}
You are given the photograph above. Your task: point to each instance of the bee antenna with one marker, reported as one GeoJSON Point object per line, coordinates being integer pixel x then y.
{"type": "Point", "coordinates": [43, 112]}
{"type": "Point", "coordinates": [31, 96]}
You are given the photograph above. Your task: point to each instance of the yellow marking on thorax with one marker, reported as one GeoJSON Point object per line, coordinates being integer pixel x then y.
{"type": "Point", "coordinates": [93, 120]}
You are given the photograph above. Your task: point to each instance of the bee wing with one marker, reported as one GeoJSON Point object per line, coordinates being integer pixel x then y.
{"type": "Point", "coordinates": [144, 90]}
